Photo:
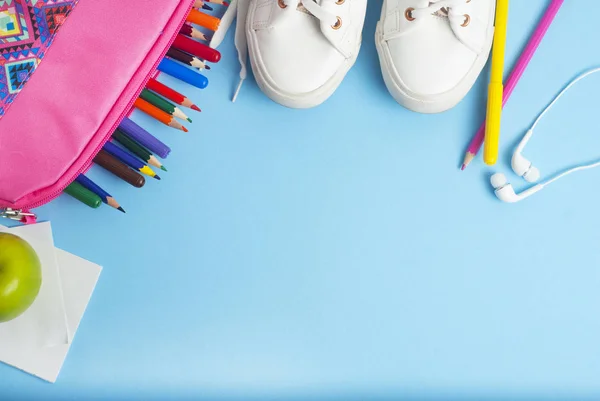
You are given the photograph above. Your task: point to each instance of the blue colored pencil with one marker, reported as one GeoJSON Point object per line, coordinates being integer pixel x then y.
{"type": "Point", "coordinates": [144, 138]}
{"type": "Point", "coordinates": [105, 196]}
{"type": "Point", "coordinates": [129, 159]}
{"type": "Point", "coordinates": [183, 73]}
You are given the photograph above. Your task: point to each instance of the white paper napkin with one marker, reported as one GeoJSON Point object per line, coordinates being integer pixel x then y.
{"type": "Point", "coordinates": [78, 278]}
{"type": "Point", "coordinates": [44, 324]}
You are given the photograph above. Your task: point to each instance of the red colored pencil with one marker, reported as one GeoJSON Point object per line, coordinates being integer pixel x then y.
{"type": "Point", "coordinates": [198, 49]}
{"type": "Point", "coordinates": [192, 32]}
{"type": "Point", "coordinates": [171, 94]}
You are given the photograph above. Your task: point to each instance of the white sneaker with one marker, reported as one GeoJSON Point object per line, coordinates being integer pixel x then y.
{"type": "Point", "coordinates": [300, 50]}
{"type": "Point", "coordinates": [432, 51]}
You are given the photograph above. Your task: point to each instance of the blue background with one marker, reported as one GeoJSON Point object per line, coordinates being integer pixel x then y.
{"type": "Point", "coordinates": [339, 253]}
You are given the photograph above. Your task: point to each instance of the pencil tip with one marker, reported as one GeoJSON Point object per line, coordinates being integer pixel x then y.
{"type": "Point", "coordinates": [121, 209]}
{"type": "Point", "coordinates": [157, 177]}
{"type": "Point", "coordinates": [189, 119]}
{"type": "Point", "coordinates": [209, 8]}
{"type": "Point", "coordinates": [163, 168]}
{"type": "Point", "coordinates": [207, 67]}
{"type": "Point", "coordinates": [185, 129]}
{"type": "Point", "coordinates": [463, 167]}
{"type": "Point", "coordinates": [194, 107]}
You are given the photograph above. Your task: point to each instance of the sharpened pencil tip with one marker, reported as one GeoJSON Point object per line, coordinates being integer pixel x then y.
{"type": "Point", "coordinates": [207, 67]}
{"type": "Point", "coordinates": [463, 167]}
{"type": "Point", "coordinates": [185, 129]}
{"type": "Point", "coordinates": [189, 119]}
{"type": "Point", "coordinates": [194, 107]}
{"type": "Point", "coordinates": [163, 168]}
{"type": "Point", "coordinates": [121, 209]}
{"type": "Point", "coordinates": [157, 177]}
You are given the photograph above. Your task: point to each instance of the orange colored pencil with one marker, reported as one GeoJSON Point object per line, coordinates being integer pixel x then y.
{"type": "Point", "coordinates": [158, 114]}
{"type": "Point", "coordinates": [205, 20]}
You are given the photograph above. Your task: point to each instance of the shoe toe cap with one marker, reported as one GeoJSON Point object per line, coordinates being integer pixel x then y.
{"type": "Point", "coordinates": [293, 61]}
{"type": "Point", "coordinates": [429, 67]}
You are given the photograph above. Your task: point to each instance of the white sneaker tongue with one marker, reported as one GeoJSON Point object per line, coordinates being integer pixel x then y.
{"type": "Point", "coordinates": [303, 9]}
{"type": "Point", "coordinates": [442, 12]}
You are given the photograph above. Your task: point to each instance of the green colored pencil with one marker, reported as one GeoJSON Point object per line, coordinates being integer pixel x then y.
{"type": "Point", "coordinates": [83, 195]}
{"type": "Point", "coordinates": [137, 149]}
{"type": "Point", "coordinates": [163, 104]}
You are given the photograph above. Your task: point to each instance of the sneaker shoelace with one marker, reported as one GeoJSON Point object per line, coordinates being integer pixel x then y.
{"type": "Point", "coordinates": [455, 10]}
{"type": "Point", "coordinates": [241, 41]}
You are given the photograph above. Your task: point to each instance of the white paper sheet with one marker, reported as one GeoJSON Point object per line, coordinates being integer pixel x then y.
{"type": "Point", "coordinates": [79, 278]}
{"type": "Point", "coordinates": [44, 324]}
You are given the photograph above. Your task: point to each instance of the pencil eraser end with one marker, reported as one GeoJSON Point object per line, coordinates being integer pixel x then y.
{"type": "Point", "coordinates": [202, 83]}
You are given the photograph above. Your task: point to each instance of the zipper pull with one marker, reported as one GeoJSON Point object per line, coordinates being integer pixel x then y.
{"type": "Point", "coordinates": [17, 215]}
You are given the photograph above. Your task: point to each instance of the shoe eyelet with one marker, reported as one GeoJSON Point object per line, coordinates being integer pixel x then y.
{"type": "Point", "coordinates": [338, 24]}
{"type": "Point", "coordinates": [408, 14]}
{"type": "Point", "coordinates": [281, 4]}
{"type": "Point", "coordinates": [339, 2]}
{"type": "Point", "coordinates": [467, 20]}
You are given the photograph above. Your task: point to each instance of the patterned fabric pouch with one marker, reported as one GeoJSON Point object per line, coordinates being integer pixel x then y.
{"type": "Point", "coordinates": [69, 72]}
{"type": "Point", "coordinates": [27, 28]}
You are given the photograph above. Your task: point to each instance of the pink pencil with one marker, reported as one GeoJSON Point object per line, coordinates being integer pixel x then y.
{"type": "Point", "coordinates": [516, 73]}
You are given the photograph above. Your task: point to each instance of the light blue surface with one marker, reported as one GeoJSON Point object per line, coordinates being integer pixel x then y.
{"type": "Point", "coordinates": [339, 253]}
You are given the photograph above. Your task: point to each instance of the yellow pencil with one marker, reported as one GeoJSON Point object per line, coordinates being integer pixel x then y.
{"type": "Point", "coordinates": [496, 88]}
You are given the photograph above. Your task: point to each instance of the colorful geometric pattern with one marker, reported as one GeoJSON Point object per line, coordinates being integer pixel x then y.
{"type": "Point", "coordinates": [27, 29]}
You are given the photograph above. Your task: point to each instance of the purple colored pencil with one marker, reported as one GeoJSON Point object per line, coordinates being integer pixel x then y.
{"type": "Point", "coordinates": [516, 73]}
{"type": "Point", "coordinates": [144, 138]}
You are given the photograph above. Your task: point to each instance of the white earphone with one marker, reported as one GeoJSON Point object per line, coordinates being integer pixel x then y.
{"type": "Point", "coordinates": [524, 168]}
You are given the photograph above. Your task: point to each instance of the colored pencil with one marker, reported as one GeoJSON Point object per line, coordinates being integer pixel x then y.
{"type": "Point", "coordinates": [202, 4]}
{"type": "Point", "coordinates": [129, 160]}
{"type": "Point", "coordinates": [137, 149]}
{"type": "Point", "coordinates": [118, 168]}
{"type": "Point", "coordinates": [171, 94]}
{"type": "Point", "coordinates": [516, 73]}
{"type": "Point", "coordinates": [204, 20]}
{"type": "Point", "coordinates": [105, 197]}
{"type": "Point", "coordinates": [187, 59]}
{"type": "Point", "coordinates": [221, 2]}
{"type": "Point", "coordinates": [197, 49]}
{"type": "Point", "coordinates": [163, 104]}
{"type": "Point", "coordinates": [181, 72]}
{"type": "Point", "coordinates": [496, 87]}
{"type": "Point", "coordinates": [144, 138]}
{"type": "Point", "coordinates": [83, 195]}
{"type": "Point", "coordinates": [158, 114]}
{"type": "Point", "coordinates": [192, 32]}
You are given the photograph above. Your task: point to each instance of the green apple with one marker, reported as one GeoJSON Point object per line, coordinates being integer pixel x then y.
{"type": "Point", "coordinates": [20, 276]}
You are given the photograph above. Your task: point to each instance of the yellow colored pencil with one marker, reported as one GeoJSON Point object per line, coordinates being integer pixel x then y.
{"type": "Point", "coordinates": [496, 88]}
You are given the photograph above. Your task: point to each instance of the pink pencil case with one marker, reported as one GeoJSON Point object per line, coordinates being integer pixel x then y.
{"type": "Point", "coordinates": [69, 73]}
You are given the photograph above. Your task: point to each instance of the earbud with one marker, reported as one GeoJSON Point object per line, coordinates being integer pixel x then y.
{"type": "Point", "coordinates": [523, 167]}
{"type": "Point", "coordinates": [505, 192]}
{"type": "Point", "coordinates": [520, 165]}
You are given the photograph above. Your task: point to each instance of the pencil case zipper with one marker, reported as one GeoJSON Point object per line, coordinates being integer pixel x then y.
{"type": "Point", "coordinates": [23, 213]}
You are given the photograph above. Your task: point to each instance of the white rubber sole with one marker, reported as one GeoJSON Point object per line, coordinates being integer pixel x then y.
{"type": "Point", "coordinates": [294, 100]}
{"type": "Point", "coordinates": [427, 104]}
